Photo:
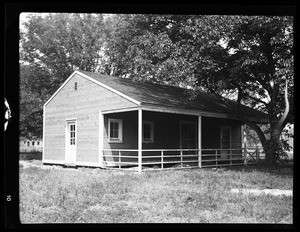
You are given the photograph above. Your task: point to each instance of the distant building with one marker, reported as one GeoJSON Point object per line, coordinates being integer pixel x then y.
{"type": "Point", "coordinates": [30, 145]}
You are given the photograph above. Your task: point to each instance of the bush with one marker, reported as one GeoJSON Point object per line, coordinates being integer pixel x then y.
{"type": "Point", "coordinates": [36, 155]}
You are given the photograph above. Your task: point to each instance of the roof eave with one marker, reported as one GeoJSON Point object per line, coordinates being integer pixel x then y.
{"type": "Point", "coordinates": [179, 110]}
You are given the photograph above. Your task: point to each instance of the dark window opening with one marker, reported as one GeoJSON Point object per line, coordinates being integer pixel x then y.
{"type": "Point", "coordinates": [147, 132]}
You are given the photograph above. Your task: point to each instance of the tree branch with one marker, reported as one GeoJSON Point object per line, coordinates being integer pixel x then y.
{"type": "Point", "coordinates": [279, 124]}
{"type": "Point", "coordinates": [257, 100]}
{"type": "Point", "coordinates": [259, 132]}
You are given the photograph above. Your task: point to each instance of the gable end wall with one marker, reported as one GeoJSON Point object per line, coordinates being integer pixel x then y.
{"type": "Point", "coordinates": [83, 104]}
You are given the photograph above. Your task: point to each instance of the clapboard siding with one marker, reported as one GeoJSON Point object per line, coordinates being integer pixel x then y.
{"type": "Point", "coordinates": [83, 104]}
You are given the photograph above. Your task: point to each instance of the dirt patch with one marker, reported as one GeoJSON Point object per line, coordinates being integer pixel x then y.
{"type": "Point", "coordinates": [274, 192]}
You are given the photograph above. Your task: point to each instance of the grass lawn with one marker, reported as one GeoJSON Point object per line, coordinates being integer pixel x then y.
{"type": "Point", "coordinates": [93, 195]}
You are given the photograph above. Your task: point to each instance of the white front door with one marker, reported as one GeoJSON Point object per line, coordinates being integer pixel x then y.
{"type": "Point", "coordinates": [71, 143]}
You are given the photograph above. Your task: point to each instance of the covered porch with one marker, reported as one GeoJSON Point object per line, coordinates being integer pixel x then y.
{"type": "Point", "coordinates": [168, 138]}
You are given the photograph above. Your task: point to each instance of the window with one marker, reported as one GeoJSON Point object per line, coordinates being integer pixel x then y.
{"type": "Point", "coordinates": [225, 137]}
{"type": "Point", "coordinates": [72, 134]}
{"type": "Point", "coordinates": [32, 143]}
{"type": "Point", "coordinates": [27, 143]}
{"type": "Point", "coordinates": [75, 86]}
{"type": "Point", "coordinates": [148, 132]}
{"type": "Point", "coordinates": [37, 143]}
{"type": "Point", "coordinates": [115, 130]}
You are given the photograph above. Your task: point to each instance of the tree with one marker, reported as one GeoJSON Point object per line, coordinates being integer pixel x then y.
{"type": "Point", "coordinates": [34, 91]}
{"type": "Point", "coordinates": [52, 46]}
{"type": "Point", "coordinates": [264, 55]}
{"type": "Point", "coordinates": [256, 63]}
{"type": "Point", "coordinates": [144, 47]}
{"type": "Point", "coordinates": [250, 57]}
{"type": "Point", "coordinates": [63, 42]}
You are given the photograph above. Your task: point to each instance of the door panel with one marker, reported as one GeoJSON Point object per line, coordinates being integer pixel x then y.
{"type": "Point", "coordinates": [225, 142]}
{"type": "Point", "coordinates": [225, 137]}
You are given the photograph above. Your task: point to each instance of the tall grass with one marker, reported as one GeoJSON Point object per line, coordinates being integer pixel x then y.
{"type": "Point", "coordinates": [86, 195]}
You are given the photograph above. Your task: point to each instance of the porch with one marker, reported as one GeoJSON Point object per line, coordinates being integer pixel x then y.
{"type": "Point", "coordinates": [161, 138]}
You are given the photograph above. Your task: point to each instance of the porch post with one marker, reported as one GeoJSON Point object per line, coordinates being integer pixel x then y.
{"type": "Point", "coordinates": [199, 140]}
{"type": "Point", "coordinates": [242, 135]}
{"type": "Point", "coordinates": [101, 126]}
{"type": "Point", "coordinates": [140, 124]}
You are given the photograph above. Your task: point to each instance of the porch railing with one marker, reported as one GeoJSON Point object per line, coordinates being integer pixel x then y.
{"type": "Point", "coordinates": [180, 158]}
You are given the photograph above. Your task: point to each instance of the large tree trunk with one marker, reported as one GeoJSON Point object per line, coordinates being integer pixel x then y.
{"type": "Point", "coordinates": [272, 147]}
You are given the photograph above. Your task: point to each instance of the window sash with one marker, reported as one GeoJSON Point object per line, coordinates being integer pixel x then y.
{"type": "Point", "coordinates": [115, 130]}
{"type": "Point", "coordinates": [72, 134]}
{"type": "Point", "coordinates": [148, 132]}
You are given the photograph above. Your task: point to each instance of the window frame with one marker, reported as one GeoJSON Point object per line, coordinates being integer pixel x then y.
{"type": "Point", "coordinates": [120, 131]}
{"type": "Point", "coordinates": [151, 123]}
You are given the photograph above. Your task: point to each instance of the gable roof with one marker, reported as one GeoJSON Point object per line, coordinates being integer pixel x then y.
{"type": "Point", "coordinates": [156, 95]}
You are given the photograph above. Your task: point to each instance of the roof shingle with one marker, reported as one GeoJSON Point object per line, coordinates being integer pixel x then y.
{"type": "Point", "coordinates": [171, 96]}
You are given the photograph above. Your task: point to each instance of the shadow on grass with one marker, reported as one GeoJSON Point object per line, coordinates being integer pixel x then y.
{"type": "Point", "coordinates": [30, 155]}
{"type": "Point", "coordinates": [260, 167]}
